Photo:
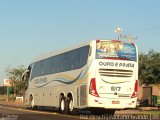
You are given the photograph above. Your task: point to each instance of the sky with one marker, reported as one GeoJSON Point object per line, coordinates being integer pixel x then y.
{"type": "Point", "coordinates": [29, 28]}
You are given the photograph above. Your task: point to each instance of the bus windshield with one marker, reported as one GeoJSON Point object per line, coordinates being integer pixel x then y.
{"type": "Point", "coordinates": [115, 50]}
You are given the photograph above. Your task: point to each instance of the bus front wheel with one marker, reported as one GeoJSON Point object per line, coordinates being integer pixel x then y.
{"type": "Point", "coordinates": [32, 106]}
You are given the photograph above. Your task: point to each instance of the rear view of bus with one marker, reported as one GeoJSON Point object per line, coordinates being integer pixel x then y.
{"type": "Point", "coordinates": [116, 76]}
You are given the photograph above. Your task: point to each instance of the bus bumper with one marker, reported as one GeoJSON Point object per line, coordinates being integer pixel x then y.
{"type": "Point", "coordinates": [109, 103]}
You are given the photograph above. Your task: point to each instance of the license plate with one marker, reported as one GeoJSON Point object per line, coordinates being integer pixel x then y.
{"type": "Point", "coordinates": [115, 102]}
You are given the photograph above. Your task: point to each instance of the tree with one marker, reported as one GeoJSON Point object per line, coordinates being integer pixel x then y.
{"type": "Point", "coordinates": [149, 68]}
{"type": "Point", "coordinates": [15, 75]}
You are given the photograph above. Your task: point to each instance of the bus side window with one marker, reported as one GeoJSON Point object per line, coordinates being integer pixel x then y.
{"type": "Point", "coordinates": [65, 62]}
{"type": "Point", "coordinates": [53, 65]}
{"type": "Point", "coordinates": [41, 67]}
{"type": "Point", "coordinates": [84, 55]}
{"type": "Point", "coordinates": [71, 61]}
{"type": "Point", "coordinates": [47, 66]}
{"type": "Point", "coordinates": [76, 59]}
{"type": "Point", "coordinates": [35, 70]}
{"type": "Point", "coordinates": [56, 63]}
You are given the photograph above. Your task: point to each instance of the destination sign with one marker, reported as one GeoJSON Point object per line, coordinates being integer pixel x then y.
{"type": "Point", "coordinates": [116, 64]}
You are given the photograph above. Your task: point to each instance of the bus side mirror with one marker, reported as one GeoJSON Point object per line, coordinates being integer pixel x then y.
{"type": "Point", "coordinates": [25, 76]}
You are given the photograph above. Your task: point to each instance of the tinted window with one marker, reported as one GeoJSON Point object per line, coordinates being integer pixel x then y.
{"type": "Point", "coordinates": [70, 60]}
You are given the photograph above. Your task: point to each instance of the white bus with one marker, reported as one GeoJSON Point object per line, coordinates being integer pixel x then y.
{"type": "Point", "coordinates": [100, 76]}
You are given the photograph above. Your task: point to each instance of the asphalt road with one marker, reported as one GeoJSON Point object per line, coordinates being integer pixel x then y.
{"type": "Point", "coordinates": [12, 113]}
{"type": "Point", "coordinates": [18, 113]}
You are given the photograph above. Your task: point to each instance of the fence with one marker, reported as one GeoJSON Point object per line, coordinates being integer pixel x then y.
{"type": "Point", "coordinates": [3, 97]}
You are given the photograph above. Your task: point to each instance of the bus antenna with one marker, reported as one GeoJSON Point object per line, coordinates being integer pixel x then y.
{"type": "Point", "coordinates": [129, 38]}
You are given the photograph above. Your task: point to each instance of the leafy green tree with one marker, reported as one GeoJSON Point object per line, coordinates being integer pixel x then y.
{"type": "Point", "coordinates": [15, 74]}
{"type": "Point", "coordinates": [149, 68]}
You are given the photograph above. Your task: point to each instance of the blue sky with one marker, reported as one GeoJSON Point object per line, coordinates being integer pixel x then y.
{"type": "Point", "coordinates": [29, 28]}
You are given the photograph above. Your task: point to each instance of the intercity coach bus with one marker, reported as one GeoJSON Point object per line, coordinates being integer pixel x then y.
{"type": "Point", "coordinates": [99, 75]}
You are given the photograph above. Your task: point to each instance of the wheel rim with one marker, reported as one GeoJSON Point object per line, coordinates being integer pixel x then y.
{"type": "Point", "coordinates": [62, 104]}
{"type": "Point", "coordinates": [71, 105]}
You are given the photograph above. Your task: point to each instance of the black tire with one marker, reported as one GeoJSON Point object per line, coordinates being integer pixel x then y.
{"type": "Point", "coordinates": [110, 112]}
{"type": "Point", "coordinates": [69, 106]}
{"type": "Point", "coordinates": [62, 105]}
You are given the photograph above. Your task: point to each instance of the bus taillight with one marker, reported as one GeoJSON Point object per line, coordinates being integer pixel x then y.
{"type": "Point", "coordinates": [135, 90]}
{"type": "Point", "coordinates": [92, 88]}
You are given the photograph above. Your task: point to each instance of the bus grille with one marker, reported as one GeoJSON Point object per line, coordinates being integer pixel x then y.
{"type": "Point", "coordinates": [115, 72]}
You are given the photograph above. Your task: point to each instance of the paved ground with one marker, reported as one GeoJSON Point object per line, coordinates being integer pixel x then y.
{"type": "Point", "coordinates": [18, 108]}
{"type": "Point", "coordinates": [132, 111]}
{"type": "Point", "coordinates": [11, 103]}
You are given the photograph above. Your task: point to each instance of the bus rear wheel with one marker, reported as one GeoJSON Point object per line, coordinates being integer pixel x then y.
{"type": "Point", "coordinates": [69, 106]}
{"type": "Point", "coordinates": [62, 108]}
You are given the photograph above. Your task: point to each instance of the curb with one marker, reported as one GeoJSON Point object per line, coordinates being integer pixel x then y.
{"type": "Point", "coordinates": [12, 103]}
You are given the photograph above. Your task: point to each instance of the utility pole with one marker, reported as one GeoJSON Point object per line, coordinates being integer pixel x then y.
{"type": "Point", "coordinates": [8, 90]}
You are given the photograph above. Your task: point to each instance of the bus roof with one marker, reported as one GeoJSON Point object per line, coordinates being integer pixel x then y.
{"type": "Point", "coordinates": [59, 51]}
